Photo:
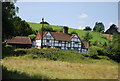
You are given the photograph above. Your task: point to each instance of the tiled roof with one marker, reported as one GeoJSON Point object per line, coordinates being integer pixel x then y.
{"type": "Point", "coordinates": [39, 35]}
{"type": "Point", "coordinates": [57, 35]}
{"type": "Point", "coordinates": [61, 36]}
{"type": "Point", "coordinates": [85, 45]}
{"type": "Point", "coordinates": [19, 40]}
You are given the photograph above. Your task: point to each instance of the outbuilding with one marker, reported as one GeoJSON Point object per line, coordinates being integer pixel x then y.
{"type": "Point", "coordinates": [20, 42]}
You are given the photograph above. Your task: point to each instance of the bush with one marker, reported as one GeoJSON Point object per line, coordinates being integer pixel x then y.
{"type": "Point", "coordinates": [92, 52]}
{"type": "Point", "coordinates": [30, 56]}
{"type": "Point", "coordinates": [7, 50]}
{"type": "Point", "coordinates": [19, 52]}
{"type": "Point", "coordinates": [51, 54]}
{"type": "Point", "coordinates": [100, 50]}
{"type": "Point", "coordinates": [32, 36]}
{"type": "Point", "coordinates": [104, 57]}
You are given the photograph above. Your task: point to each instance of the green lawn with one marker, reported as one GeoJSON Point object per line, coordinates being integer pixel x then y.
{"type": "Point", "coordinates": [81, 33]}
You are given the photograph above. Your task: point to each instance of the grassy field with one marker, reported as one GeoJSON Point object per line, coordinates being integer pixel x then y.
{"type": "Point", "coordinates": [56, 64]}
{"type": "Point", "coordinates": [96, 36]}
{"type": "Point", "coordinates": [21, 68]}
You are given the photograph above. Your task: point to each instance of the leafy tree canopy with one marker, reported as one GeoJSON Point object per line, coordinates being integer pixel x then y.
{"type": "Point", "coordinates": [113, 48]}
{"type": "Point", "coordinates": [32, 36]}
{"type": "Point", "coordinates": [99, 27]}
{"type": "Point", "coordinates": [21, 27]}
{"type": "Point", "coordinates": [113, 29]}
{"type": "Point", "coordinates": [87, 28]}
{"type": "Point", "coordinates": [8, 13]}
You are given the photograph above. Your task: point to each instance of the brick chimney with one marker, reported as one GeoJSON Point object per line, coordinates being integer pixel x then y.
{"type": "Point", "coordinates": [65, 29]}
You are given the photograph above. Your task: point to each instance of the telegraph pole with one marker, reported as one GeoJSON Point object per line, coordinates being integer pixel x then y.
{"type": "Point", "coordinates": [42, 33]}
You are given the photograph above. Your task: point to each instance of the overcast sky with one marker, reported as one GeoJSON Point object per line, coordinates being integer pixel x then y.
{"type": "Point", "coordinates": [73, 14]}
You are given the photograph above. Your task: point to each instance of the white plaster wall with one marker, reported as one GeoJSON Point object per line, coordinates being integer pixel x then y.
{"type": "Point", "coordinates": [38, 42]}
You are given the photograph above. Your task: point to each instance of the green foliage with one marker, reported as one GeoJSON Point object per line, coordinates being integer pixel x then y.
{"type": "Point", "coordinates": [92, 52]}
{"type": "Point", "coordinates": [87, 37]}
{"type": "Point", "coordinates": [19, 52]}
{"type": "Point", "coordinates": [87, 28]}
{"type": "Point", "coordinates": [12, 25]}
{"type": "Point", "coordinates": [8, 12]}
{"type": "Point", "coordinates": [96, 36]}
{"type": "Point", "coordinates": [7, 50]}
{"type": "Point", "coordinates": [113, 29]}
{"type": "Point", "coordinates": [105, 45]}
{"type": "Point", "coordinates": [51, 54]}
{"type": "Point", "coordinates": [104, 57]}
{"type": "Point", "coordinates": [95, 52]}
{"type": "Point", "coordinates": [32, 36]}
{"type": "Point", "coordinates": [30, 56]}
{"type": "Point", "coordinates": [21, 27]}
{"type": "Point", "coordinates": [95, 43]}
{"type": "Point", "coordinates": [99, 27]}
{"type": "Point", "coordinates": [113, 49]}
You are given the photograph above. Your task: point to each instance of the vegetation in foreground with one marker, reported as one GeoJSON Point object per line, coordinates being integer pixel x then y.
{"type": "Point", "coordinates": [49, 69]}
{"type": "Point", "coordinates": [57, 64]}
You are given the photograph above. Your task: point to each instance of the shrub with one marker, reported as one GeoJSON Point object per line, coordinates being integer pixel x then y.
{"type": "Point", "coordinates": [19, 52]}
{"type": "Point", "coordinates": [52, 54]}
{"type": "Point", "coordinates": [30, 56]}
{"type": "Point", "coordinates": [8, 46]}
{"type": "Point", "coordinates": [7, 50]}
{"type": "Point", "coordinates": [104, 57]}
{"type": "Point", "coordinates": [100, 50]}
{"type": "Point", "coordinates": [92, 52]}
{"type": "Point", "coordinates": [95, 43]}
{"type": "Point", "coordinates": [32, 36]}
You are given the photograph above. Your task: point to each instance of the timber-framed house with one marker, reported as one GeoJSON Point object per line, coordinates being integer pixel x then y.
{"type": "Point", "coordinates": [61, 40]}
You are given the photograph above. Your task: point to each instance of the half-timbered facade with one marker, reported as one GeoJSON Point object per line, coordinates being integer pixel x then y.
{"type": "Point", "coordinates": [61, 40]}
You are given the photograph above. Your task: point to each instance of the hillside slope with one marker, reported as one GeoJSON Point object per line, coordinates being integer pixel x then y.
{"type": "Point", "coordinates": [96, 36]}
{"type": "Point", "coordinates": [19, 68]}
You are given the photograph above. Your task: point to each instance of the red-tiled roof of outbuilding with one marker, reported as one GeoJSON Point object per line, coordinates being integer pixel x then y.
{"type": "Point", "coordinates": [19, 40]}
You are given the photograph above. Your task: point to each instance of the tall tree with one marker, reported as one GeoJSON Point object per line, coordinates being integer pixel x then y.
{"type": "Point", "coordinates": [22, 28]}
{"type": "Point", "coordinates": [8, 12]}
{"type": "Point", "coordinates": [113, 48]}
{"type": "Point", "coordinates": [99, 27]}
{"type": "Point", "coordinates": [113, 29]}
{"type": "Point", "coordinates": [87, 28]}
